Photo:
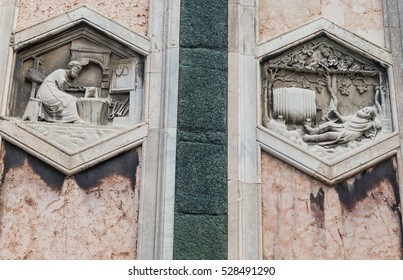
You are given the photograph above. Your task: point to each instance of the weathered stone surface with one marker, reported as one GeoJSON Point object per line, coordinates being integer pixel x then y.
{"type": "Point", "coordinates": [39, 221]}
{"type": "Point", "coordinates": [131, 14]}
{"type": "Point", "coordinates": [201, 185]}
{"type": "Point", "coordinates": [202, 99]}
{"type": "Point", "coordinates": [200, 237]}
{"type": "Point", "coordinates": [73, 137]}
{"type": "Point", "coordinates": [304, 219]}
{"type": "Point", "coordinates": [204, 24]}
{"type": "Point", "coordinates": [363, 17]}
{"type": "Point", "coordinates": [200, 221]}
{"type": "Point", "coordinates": [205, 58]}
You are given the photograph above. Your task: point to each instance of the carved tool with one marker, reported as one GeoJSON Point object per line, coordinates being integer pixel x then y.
{"type": "Point", "coordinates": [34, 76]}
{"type": "Point", "coordinates": [34, 105]}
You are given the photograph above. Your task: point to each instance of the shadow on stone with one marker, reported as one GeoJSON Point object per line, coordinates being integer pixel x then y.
{"type": "Point", "coordinates": [124, 165]}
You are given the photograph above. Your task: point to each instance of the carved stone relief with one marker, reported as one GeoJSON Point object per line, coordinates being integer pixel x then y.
{"type": "Point", "coordinates": [77, 94]}
{"type": "Point", "coordinates": [325, 98]}
{"type": "Point", "coordinates": [72, 137]}
{"type": "Point", "coordinates": [62, 97]}
{"type": "Point", "coordinates": [76, 78]}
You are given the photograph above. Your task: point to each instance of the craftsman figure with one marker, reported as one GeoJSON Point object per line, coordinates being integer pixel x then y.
{"type": "Point", "coordinates": [57, 104]}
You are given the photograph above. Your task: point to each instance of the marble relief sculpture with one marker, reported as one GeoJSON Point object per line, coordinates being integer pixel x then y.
{"type": "Point", "coordinates": [97, 88]}
{"type": "Point", "coordinates": [295, 105]}
{"type": "Point", "coordinates": [57, 104]}
{"type": "Point", "coordinates": [78, 93]}
{"type": "Point", "coordinates": [364, 123]}
{"type": "Point", "coordinates": [76, 96]}
{"type": "Point", "coordinates": [321, 94]}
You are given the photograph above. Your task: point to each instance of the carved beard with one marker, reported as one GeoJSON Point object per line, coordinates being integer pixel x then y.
{"type": "Point", "coordinates": [72, 74]}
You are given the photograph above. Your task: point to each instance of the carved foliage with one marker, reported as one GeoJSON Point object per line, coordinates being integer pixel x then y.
{"type": "Point", "coordinates": [321, 53]}
{"type": "Point", "coordinates": [343, 82]}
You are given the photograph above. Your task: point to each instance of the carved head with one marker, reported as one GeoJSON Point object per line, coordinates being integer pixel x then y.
{"type": "Point", "coordinates": [367, 113]}
{"type": "Point", "coordinates": [74, 68]}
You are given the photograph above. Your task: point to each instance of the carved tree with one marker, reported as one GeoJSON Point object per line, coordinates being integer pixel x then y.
{"type": "Point", "coordinates": [321, 65]}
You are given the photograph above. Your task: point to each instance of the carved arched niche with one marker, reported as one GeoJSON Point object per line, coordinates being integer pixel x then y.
{"type": "Point", "coordinates": [325, 98]}
{"type": "Point", "coordinates": [100, 101]}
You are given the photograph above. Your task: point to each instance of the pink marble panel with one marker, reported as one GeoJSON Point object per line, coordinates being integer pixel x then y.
{"type": "Point", "coordinates": [38, 221]}
{"type": "Point", "coordinates": [131, 14]}
{"type": "Point", "coordinates": [362, 17]}
{"type": "Point", "coordinates": [304, 219]}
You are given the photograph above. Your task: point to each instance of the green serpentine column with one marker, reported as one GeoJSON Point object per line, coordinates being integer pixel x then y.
{"type": "Point", "coordinates": [201, 219]}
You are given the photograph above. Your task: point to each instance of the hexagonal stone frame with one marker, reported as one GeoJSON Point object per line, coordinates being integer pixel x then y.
{"type": "Point", "coordinates": [346, 165]}
{"type": "Point", "coordinates": [116, 140]}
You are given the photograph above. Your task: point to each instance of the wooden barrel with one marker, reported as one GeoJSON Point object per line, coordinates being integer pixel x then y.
{"type": "Point", "coordinates": [294, 105]}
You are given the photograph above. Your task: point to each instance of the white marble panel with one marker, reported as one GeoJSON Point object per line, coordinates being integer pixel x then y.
{"type": "Point", "coordinates": [244, 231]}
{"type": "Point", "coordinates": [8, 15]}
{"type": "Point", "coordinates": [157, 199]}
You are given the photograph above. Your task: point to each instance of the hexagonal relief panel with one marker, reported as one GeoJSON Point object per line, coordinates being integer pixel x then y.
{"type": "Point", "coordinates": [77, 91]}
{"type": "Point", "coordinates": [327, 104]}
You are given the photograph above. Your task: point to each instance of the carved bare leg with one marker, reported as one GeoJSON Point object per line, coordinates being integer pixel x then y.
{"type": "Point", "coordinates": [328, 136]}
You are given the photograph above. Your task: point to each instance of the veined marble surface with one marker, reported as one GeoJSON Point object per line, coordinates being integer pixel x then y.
{"type": "Point", "coordinates": [131, 14]}
{"type": "Point", "coordinates": [363, 17]}
{"type": "Point", "coordinates": [305, 219]}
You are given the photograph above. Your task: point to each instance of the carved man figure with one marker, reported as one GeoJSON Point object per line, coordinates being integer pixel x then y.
{"type": "Point", "coordinates": [364, 123]}
{"type": "Point", "coordinates": [57, 104]}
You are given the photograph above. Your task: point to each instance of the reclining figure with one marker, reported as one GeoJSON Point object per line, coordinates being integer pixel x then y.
{"type": "Point", "coordinates": [364, 123]}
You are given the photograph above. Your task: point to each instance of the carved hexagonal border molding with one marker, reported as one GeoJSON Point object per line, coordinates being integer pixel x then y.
{"type": "Point", "coordinates": [343, 166]}
{"type": "Point", "coordinates": [71, 161]}
{"type": "Point", "coordinates": [117, 140]}
{"type": "Point", "coordinates": [74, 18]}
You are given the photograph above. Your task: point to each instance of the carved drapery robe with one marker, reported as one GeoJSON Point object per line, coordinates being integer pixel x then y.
{"type": "Point", "coordinates": [353, 129]}
{"type": "Point", "coordinates": [58, 105]}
